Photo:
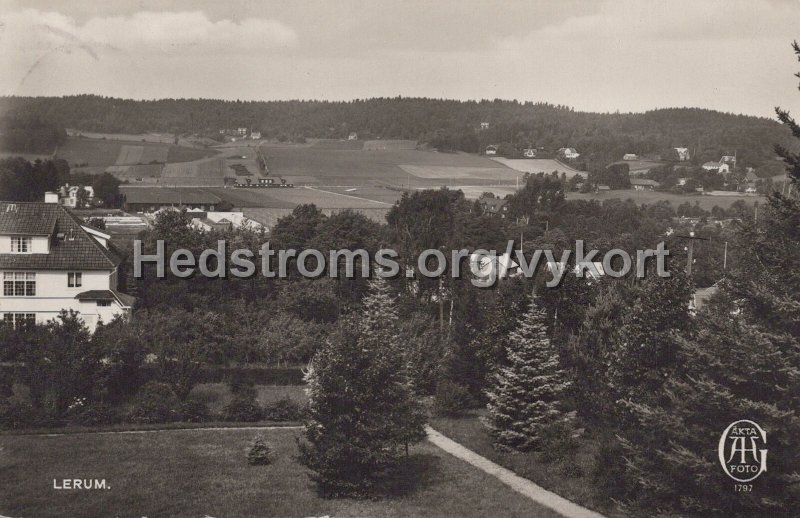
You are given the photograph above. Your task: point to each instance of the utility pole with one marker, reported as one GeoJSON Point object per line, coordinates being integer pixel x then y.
{"type": "Point", "coordinates": [690, 256]}
{"type": "Point", "coordinates": [725, 257]}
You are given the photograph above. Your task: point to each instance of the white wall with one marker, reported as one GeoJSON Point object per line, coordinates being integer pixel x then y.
{"type": "Point", "coordinates": [53, 295]}
{"type": "Point", "coordinates": [39, 244]}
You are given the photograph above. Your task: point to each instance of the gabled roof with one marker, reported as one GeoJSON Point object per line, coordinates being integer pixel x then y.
{"type": "Point", "coordinates": [30, 219]}
{"type": "Point", "coordinates": [644, 181]}
{"type": "Point", "coordinates": [492, 204]}
{"type": "Point", "coordinates": [71, 247]}
{"type": "Point", "coordinates": [123, 299]}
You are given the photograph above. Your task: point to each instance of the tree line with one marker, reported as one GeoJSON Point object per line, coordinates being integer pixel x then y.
{"type": "Point", "coordinates": [601, 138]}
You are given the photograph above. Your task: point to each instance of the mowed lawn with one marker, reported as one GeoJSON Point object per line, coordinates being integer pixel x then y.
{"type": "Point", "coordinates": [205, 473]}
{"type": "Point", "coordinates": [570, 477]}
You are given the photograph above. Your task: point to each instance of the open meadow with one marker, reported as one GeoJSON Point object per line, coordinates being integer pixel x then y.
{"type": "Point", "coordinates": [540, 165]}
{"type": "Point", "coordinates": [205, 473]}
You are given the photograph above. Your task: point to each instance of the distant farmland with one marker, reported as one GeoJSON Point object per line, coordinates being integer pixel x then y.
{"type": "Point", "coordinates": [326, 165]}
{"type": "Point", "coordinates": [540, 165]}
{"type": "Point", "coordinates": [103, 153]}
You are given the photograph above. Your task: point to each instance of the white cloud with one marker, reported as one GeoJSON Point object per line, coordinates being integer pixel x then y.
{"type": "Point", "coordinates": [145, 32]}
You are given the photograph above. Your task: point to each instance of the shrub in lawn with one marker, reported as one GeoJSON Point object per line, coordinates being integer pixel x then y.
{"type": "Point", "coordinates": [284, 409]}
{"type": "Point", "coordinates": [260, 451]}
{"type": "Point", "coordinates": [242, 409]}
{"type": "Point", "coordinates": [451, 399]}
{"type": "Point", "coordinates": [155, 402]}
{"type": "Point", "coordinates": [193, 411]}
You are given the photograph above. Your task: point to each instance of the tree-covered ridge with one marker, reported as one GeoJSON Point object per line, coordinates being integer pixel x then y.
{"type": "Point", "coordinates": [599, 137]}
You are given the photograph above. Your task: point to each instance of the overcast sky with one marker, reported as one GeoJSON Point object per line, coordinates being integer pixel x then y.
{"type": "Point", "coordinates": [728, 55]}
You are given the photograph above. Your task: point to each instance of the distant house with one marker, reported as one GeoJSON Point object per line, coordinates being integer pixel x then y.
{"type": "Point", "coordinates": [601, 187]}
{"type": "Point", "coordinates": [241, 131]}
{"type": "Point", "coordinates": [255, 135]}
{"type": "Point", "coordinates": [682, 181]}
{"type": "Point", "coordinates": [352, 136]}
{"type": "Point", "coordinates": [569, 153]}
{"type": "Point", "coordinates": [724, 168]}
{"type": "Point", "coordinates": [751, 189]}
{"type": "Point", "coordinates": [491, 150]}
{"type": "Point", "coordinates": [630, 156]}
{"type": "Point", "coordinates": [700, 298]}
{"type": "Point", "coordinates": [683, 154]}
{"type": "Point", "coordinates": [711, 166]}
{"type": "Point", "coordinates": [69, 195]}
{"type": "Point", "coordinates": [529, 153]}
{"type": "Point", "coordinates": [644, 184]}
{"type": "Point", "coordinates": [486, 268]}
{"type": "Point", "coordinates": [484, 125]}
{"type": "Point", "coordinates": [494, 206]}
{"type": "Point", "coordinates": [592, 270]}
{"type": "Point", "coordinates": [728, 159]}
{"type": "Point", "coordinates": [207, 225]}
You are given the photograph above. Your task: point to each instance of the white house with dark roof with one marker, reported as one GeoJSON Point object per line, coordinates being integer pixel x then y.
{"type": "Point", "coordinates": [50, 261]}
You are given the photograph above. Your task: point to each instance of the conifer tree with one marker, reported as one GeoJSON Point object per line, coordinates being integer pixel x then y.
{"type": "Point", "coordinates": [525, 396]}
{"type": "Point", "coordinates": [743, 362]}
{"type": "Point", "coordinates": [363, 412]}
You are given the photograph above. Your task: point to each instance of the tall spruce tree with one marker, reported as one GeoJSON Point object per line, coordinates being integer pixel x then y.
{"type": "Point", "coordinates": [363, 411]}
{"type": "Point", "coordinates": [743, 362]}
{"type": "Point", "coordinates": [525, 396]}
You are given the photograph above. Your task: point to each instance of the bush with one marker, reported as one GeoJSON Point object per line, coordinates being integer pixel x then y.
{"type": "Point", "coordinates": [93, 414]}
{"type": "Point", "coordinates": [15, 415]}
{"type": "Point", "coordinates": [284, 409]}
{"type": "Point", "coordinates": [451, 399]}
{"type": "Point", "coordinates": [260, 451]}
{"type": "Point", "coordinates": [242, 409]}
{"type": "Point", "coordinates": [558, 442]}
{"type": "Point", "coordinates": [193, 411]}
{"type": "Point", "coordinates": [155, 402]}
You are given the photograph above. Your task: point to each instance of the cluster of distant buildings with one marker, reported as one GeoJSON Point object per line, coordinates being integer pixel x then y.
{"type": "Point", "coordinates": [240, 133]}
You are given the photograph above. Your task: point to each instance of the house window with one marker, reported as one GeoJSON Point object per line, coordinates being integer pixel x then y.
{"type": "Point", "coordinates": [19, 319]}
{"type": "Point", "coordinates": [74, 280]}
{"type": "Point", "coordinates": [103, 303]}
{"type": "Point", "coordinates": [19, 284]}
{"type": "Point", "coordinates": [20, 245]}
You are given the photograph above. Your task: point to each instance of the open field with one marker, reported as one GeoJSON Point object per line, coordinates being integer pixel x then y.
{"type": "Point", "coordinates": [206, 168]}
{"type": "Point", "coordinates": [650, 197]}
{"type": "Point", "coordinates": [384, 145]}
{"type": "Point", "coordinates": [569, 477]}
{"type": "Point", "coordinates": [131, 172]}
{"type": "Point", "coordinates": [290, 198]}
{"type": "Point", "coordinates": [205, 473]}
{"type": "Point", "coordinates": [640, 166]}
{"type": "Point", "coordinates": [540, 165]}
{"type": "Point", "coordinates": [96, 153]}
{"type": "Point", "coordinates": [30, 157]}
{"type": "Point", "coordinates": [326, 165]}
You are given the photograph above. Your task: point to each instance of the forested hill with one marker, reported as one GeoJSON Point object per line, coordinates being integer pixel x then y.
{"type": "Point", "coordinates": [443, 123]}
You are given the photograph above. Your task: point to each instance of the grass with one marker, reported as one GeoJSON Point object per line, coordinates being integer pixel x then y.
{"type": "Point", "coordinates": [199, 473]}
{"type": "Point", "coordinates": [569, 477]}
{"type": "Point", "coordinates": [98, 152]}
{"type": "Point", "coordinates": [540, 165]}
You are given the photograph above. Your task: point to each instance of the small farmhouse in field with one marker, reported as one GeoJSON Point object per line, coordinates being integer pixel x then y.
{"type": "Point", "coordinates": [352, 136]}
{"type": "Point", "coordinates": [484, 125]}
{"type": "Point", "coordinates": [491, 150]}
{"type": "Point", "coordinates": [630, 156]}
{"type": "Point", "coordinates": [568, 152]}
{"type": "Point", "coordinates": [644, 184]}
{"type": "Point", "coordinates": [255, 135]}
{"type": "Point", "coordinates": [529, 153]}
